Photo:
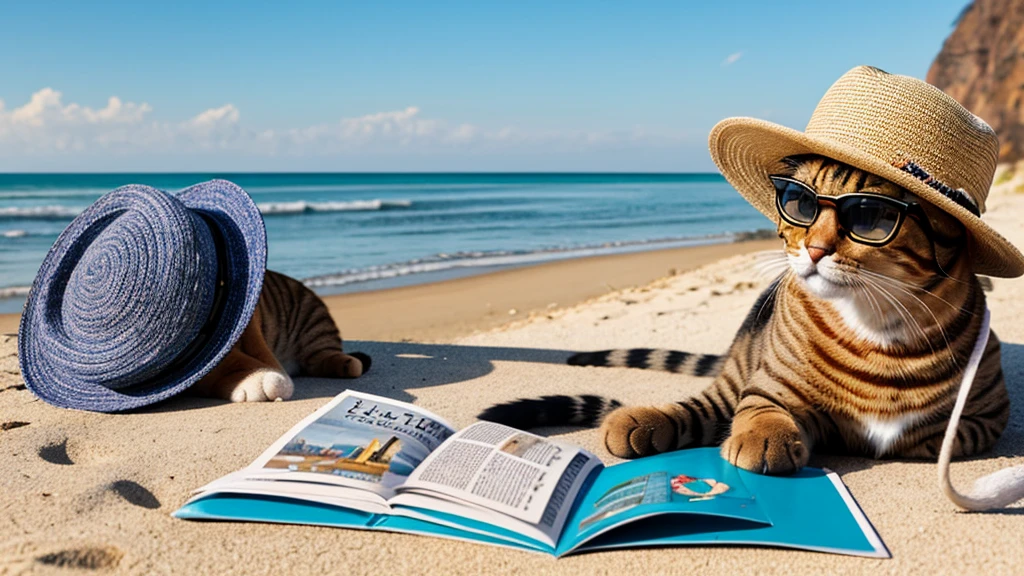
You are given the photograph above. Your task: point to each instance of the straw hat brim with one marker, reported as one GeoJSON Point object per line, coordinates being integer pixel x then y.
{"type": "Point", "coordinates": [240, 228]}
{"type": "Point", "coordinates": [748, 150]}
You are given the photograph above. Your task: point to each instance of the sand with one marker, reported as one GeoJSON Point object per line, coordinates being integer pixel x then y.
{"type": "Point", "coordinates": [98, 490]}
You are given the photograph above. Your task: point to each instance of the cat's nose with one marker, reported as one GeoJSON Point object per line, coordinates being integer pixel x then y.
{"type": "Point", "coordinates": [817, 253]}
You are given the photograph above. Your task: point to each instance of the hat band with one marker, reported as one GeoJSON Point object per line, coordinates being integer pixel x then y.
{"type": "Point", "coordinates": [202, 339]}
{"type": "Point", "coordinates": [957, 195]}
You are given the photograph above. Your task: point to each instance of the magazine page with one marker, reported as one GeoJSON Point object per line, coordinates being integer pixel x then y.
{"type": "Point", "coordinates": [243, 507]}
{"type": "Point", "coordinates": [519, 475]}
{"type": "Point", "coordinates": [354, 498]}
{"type": "Point", "coordinates": [808, 510]}
{"type": "Point", "coordinates": [690, 485]}
{"type": "Point", "coordinates": [239, 477]}
{"type": "Point", "coordinates": [437, 509]}
{"type": "Point", "coordinates": [357, 440]}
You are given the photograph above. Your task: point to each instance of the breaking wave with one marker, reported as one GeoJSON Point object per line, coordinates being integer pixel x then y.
{"type": "Point", "coordinates": [40, 212]}
{"type": "Point", "coordinates": [57, 212]}
{"type": "Point", "coordinates": [14, 291]}
{"type": "Point", "coordinates": [302, 206]}
{"type": "Point", "coordinates": [501, 258]}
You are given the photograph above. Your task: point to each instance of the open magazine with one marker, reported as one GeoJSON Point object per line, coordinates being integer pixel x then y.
{"type": "Point", "coordinates": [364, 461]}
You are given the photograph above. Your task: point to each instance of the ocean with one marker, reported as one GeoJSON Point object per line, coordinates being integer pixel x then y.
{"type": "Point", "coordinates": [350, 232]}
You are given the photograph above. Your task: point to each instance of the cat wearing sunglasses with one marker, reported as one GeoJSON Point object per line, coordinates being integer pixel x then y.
{"type": "Point", "coordinates": [857, 347]}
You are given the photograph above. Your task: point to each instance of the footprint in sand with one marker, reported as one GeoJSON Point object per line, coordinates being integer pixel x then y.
{"type": "Point", "coordinates": [56, 453]}
{"type": "Point", "coordinates": [112, 493]}
{"type": "Point", "coordinates": [135, 494]}
{"type": "Point", "coordinates": [83, 558]}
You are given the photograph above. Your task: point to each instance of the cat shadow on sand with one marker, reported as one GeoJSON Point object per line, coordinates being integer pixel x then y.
{"type": "Point", "coordinates": [399, 367]}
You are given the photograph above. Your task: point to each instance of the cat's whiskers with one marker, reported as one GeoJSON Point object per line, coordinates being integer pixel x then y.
{"type": "Point", "coordinates": [901, 310]}
{"type": "Point", "coordinates": [938, 324]}
{"type": "Point", "coordinates": [911, 285]}
{"type": "Point", "coordinates": [771, 254]}
{"type": "Point", "coordinates": [905, 322]}
{"type": "Point", "coordinates": [946, 275]}
{"type": "Point", "coordinates": [767, 262]}
{"type": "Point", "coordinates": [906, 314]}
{"type": "Point", "coordinates": [783, 278]}
{"type": "Point", "coordinates": [896, 305]}
{"type": "Point", "coordinates": [771, 270]}
{"type": "Point", "coordinates": [864, 290]}
{"type": "Point", "coordinates": [774, 259]}
{"type": "Point", "coordinates": [887, 323]}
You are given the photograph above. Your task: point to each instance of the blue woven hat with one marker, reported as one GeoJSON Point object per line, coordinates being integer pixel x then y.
{"type": "Point", "coordinates": [142, 295]}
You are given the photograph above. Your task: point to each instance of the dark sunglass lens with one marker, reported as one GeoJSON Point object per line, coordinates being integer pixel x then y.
{"type": "Point", "coordinates": [799, 203]}
{"type": "Point", "coordinates": [870, 219]}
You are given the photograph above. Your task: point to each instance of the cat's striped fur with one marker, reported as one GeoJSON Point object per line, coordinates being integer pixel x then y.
{"type": "Point", "coordinates": [861, 350]}
{"type": "Point", "coordinates": [290, 334]}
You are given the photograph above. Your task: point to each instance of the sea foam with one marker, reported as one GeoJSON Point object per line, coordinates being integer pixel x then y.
{"type": "Point", "coordinates": [40, 212]}
{"type": "Point", "coordinates": [267, 208]}
{"type": "Point", "coordinates": [302, 206]}
{"type": "Point", "coordinates": [501, 258]}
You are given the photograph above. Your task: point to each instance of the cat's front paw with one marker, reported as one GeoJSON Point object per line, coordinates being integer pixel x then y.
{"type": "Point", "coordinates": [263, 386]}
{"type": "Point", "coordinates": [767, 445]}
{"type": "Point", "coordinates": [635, 431]}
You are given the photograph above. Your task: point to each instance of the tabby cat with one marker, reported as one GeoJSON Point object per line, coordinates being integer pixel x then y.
{"type": "Point", "coordinates": [291, 333]}
{"type": "Point", "coordinates": [858, 348]}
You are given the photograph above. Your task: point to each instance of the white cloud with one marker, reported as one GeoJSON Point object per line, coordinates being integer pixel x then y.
{"type": "Point", "coordinates": [226, 114]}
{"type": "Point", "coordinates": [46, 124]}
{"type": "Point", "coordinates": [463, 133]}
{"type": "Point", "coordinates": [47, 127]}
{"type": "Point", "coordinates": [401, 127]}
{"type": "Point", "coordinates": [46, 107]}
{"type": "Point", "coordinates": [213, 128]}
{"type": "Point", "coordinates": [732, 59]}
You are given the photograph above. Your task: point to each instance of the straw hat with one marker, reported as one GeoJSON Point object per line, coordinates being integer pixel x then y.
{"type": "Point", "coordinates": [142, 295]}
{"type": "Point", "coordinates": [896, 127]}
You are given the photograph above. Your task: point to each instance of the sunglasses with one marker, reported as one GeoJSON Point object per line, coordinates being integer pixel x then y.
{"type": "Point", "coordinates": [871, 219]}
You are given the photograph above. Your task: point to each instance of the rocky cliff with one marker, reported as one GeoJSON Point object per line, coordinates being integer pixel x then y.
{"type": "Point", "coordinates": [982, 66]}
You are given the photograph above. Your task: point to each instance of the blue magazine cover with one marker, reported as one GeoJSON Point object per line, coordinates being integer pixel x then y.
{"type": "Point", "coordinates": [372, 463]}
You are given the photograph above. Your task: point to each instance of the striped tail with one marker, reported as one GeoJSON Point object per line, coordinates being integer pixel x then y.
{"type": "Point", "coordinates": [526, 413]}
{"type": "Point", "coordinates": [653, 359]}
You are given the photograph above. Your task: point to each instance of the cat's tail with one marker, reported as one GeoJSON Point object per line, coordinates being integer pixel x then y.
{"type": "Point", "coordinates": [364, 359]}
{"type": "Point", "coordinates": [589, 410]}
{"type": "Point", "coordinates": [586, 411]}
{"type": "Point", "coordinates": [653, 359]}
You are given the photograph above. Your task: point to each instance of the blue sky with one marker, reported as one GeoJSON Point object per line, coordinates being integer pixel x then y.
{"type": "Point", "coordinates": [426, 86]}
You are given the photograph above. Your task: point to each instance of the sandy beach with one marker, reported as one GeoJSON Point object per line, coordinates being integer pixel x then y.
{"type": "Point", "coordinates": [98, 489]}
